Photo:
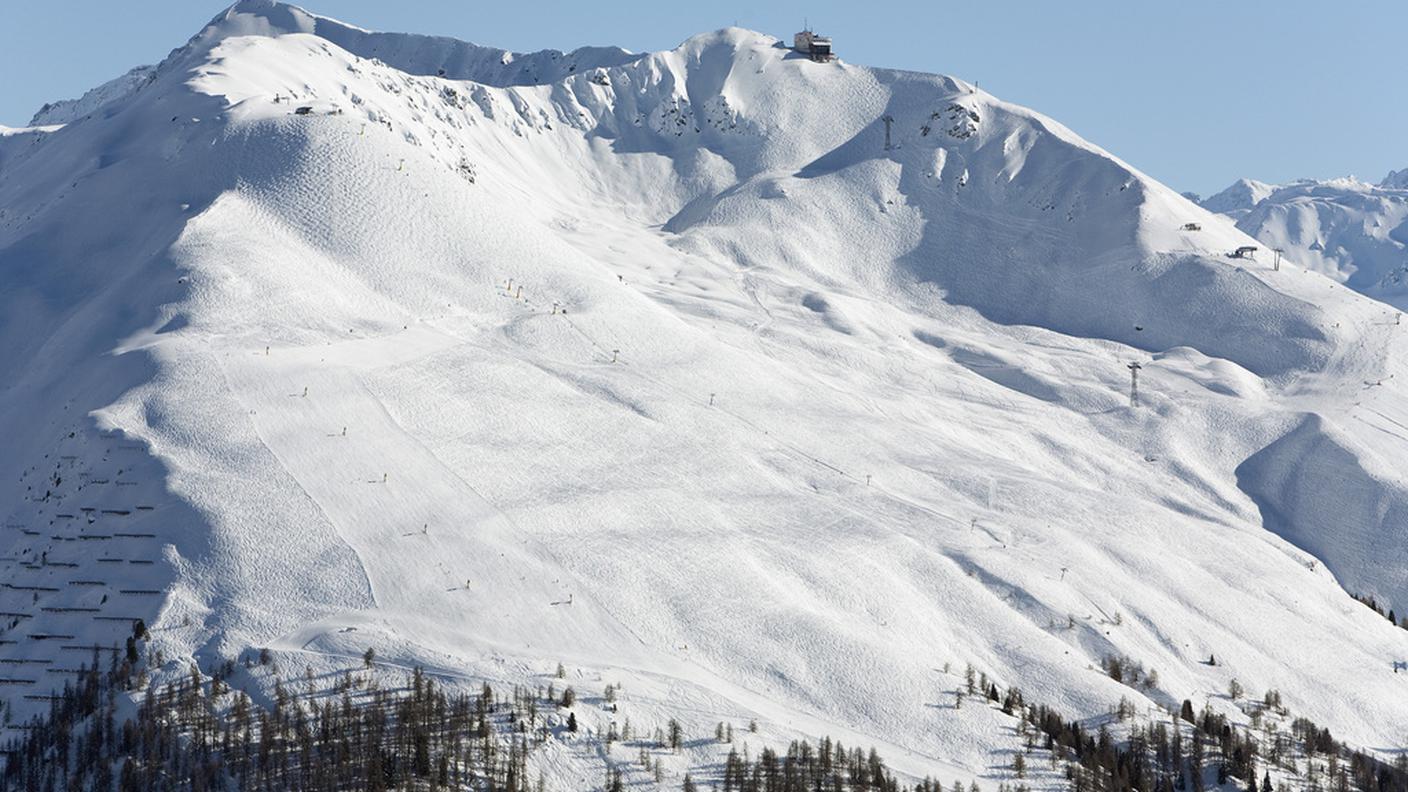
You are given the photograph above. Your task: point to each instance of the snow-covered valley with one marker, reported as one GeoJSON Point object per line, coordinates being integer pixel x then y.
{"type": "Point", "coordinates": [686, 370]}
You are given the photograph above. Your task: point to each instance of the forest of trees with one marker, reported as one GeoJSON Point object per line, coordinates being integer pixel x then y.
{"type": "Point", "coordinates": [198, 734]}
{"type": "Point", "coordinates": [1195, 749]}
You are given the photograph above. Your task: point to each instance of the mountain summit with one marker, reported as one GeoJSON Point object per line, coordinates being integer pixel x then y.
{"type": "Point", "coordinates": [770, 389]}
{"type": "Point", "coordinates": [1239, 198]}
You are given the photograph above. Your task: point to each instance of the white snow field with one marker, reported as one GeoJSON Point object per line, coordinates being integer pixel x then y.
{"type": "Point", "coordinates": [1351, 231]}
{"type": "Point", "coordinates": [665, 367]}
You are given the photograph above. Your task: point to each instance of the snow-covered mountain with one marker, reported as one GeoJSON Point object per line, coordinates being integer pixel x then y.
{"type": "Point", "coordinates": [1239, 198]}
{"type": "Point", "coordinates": [769, 388]}
{"type": "Point", "coordinates": [1349, 230]}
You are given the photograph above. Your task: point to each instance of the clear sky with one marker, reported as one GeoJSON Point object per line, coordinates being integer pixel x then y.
{"type": "Point", "coordinates": [1196, 93]}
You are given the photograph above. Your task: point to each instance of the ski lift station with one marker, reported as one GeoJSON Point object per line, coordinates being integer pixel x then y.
{"type": "Point", "coordinates": [1245, 251]}
{"type": "Point", "coordinates": [818, 48]}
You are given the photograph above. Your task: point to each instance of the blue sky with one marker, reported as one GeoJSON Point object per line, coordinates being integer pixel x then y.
{"type": "Point", "coordinates": [1195, 93]}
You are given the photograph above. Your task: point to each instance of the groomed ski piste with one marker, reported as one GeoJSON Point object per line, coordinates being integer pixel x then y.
{"type": "Point", "coordinates": [665, 367]}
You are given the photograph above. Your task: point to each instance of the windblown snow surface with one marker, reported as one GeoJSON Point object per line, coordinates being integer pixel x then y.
{"type": "Point", "coordinates": [665, 367]}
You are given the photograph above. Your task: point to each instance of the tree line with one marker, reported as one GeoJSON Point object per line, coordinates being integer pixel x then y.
{"type": "Point", "coordinates": [198, 734]}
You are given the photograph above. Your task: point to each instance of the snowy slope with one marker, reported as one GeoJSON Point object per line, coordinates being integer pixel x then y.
{"type": "Point", "coordinates": [1354, 232]}
{"type": "Point", "coordinates": [666, 367]}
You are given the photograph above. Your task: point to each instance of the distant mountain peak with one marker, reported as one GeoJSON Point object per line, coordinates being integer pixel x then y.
{"type": "Point", "coordinates": [1349, 229]}
{"type": "Point", "coordinates": [1240, 196]}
